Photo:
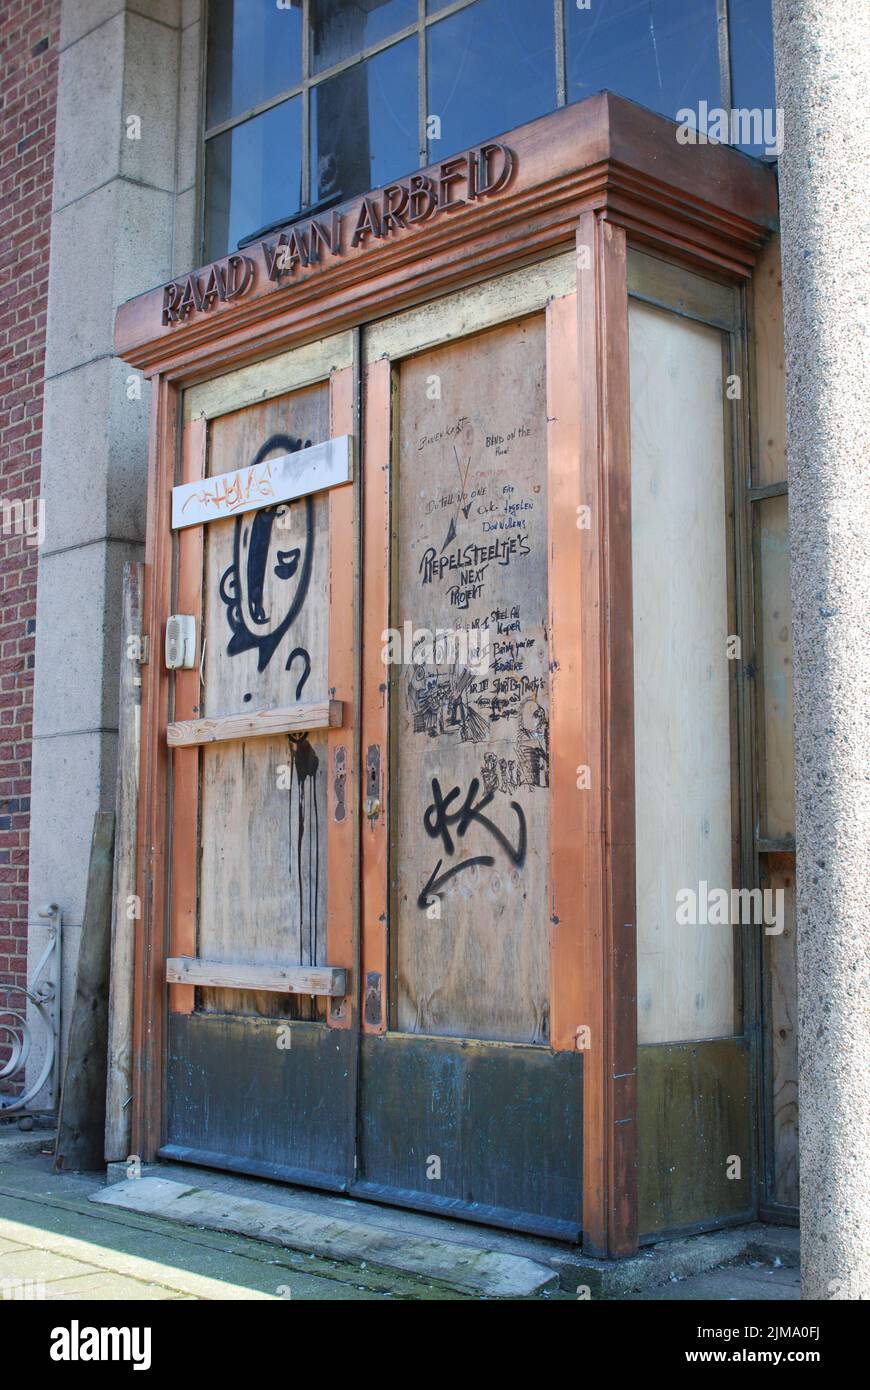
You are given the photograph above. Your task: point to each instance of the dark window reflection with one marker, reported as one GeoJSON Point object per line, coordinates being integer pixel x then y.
{"type": "Point", "coordinates": [253, 176]}
{"type": "Point", "coordinates": [661, 53]}
{"type": "Point", "coordinates": [750, 24]}
{"type": "Point", "coordinates": [364, 124]}
{"type": "Point", "coordinates": [254, 52]}
{"type": "Point", "coordinates": [491, 67]}
{"type": "Point", "coordinates": [342, 28]}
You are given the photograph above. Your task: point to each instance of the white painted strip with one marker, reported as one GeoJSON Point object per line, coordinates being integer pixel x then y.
{"type": "Point", "coordinates": [472, 310]}
{"type": "Point", "coordinates": [279, 478]}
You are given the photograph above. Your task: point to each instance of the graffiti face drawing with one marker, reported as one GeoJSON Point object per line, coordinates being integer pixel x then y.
{"type": "Point", "coordinates": [266, 585]}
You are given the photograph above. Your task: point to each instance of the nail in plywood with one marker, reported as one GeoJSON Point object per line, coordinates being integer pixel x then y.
{"type": "Point", "coordinates": [682, 728]}
{"type": "Point", "coordinates": [274, 979]}
{"type": "Point", "coordinates": [295, 719]}
{"type": "Point", "coordinates": [472, 742]}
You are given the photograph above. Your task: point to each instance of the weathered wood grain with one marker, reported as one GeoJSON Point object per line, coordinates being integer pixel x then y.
{"type": "Point", "coordinates": [263, 817]}
{"type": "Point", "coordinates": [81, 1126]}
{"type": "Point", "coordinates": [258, 724]}
{"type": "Point", "coordinates": [185, 970]}
{"type": "Point", "coordinates": [471, 883]}
{"type": "Point", "coordinates": [126, 909]}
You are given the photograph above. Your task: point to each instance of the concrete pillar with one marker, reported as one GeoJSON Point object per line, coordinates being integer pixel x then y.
{"type": "Point", "coordinates": [123, 217]}
{"type": "Point", "coordinates": [823, 80]}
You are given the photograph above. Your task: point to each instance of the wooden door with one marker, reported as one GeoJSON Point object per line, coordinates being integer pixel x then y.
{"type": "Point", "coordinates": [470, 1099]}
{"type": "Point", "coordinates": [381, 950]}
{"type": "Point", "coordinates": [259, 1061]}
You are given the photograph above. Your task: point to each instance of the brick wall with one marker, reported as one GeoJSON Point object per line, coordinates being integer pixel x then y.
{"type": "Point", "coordinates": [29, 31]}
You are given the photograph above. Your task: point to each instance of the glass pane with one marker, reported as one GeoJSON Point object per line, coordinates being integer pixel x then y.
{"type": "Point", "coordinates": [364, 124]}
{"type": "Point", "coordinates": [750, 24]}
{"type": "Point", "coordinates": [253, 176]}
{"type": "Point", "coordinates": [663, 54]}
{"type": "Point", "coordinates": [433, 6]}
{"type": "Point", "coordinates": [491, 67]}
{"type": "Point", "coordinates": [340, 29]}
{"type": "Point", "coordinates": [254, 52]}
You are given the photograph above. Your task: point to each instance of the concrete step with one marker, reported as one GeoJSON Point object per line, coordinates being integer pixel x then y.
{"type": "Point", "coordinates": [476, 1270]}
{"type": "Point", "coordinates": [397, 1231]}
{"type": "Point", "coordinates": [18, 1143]}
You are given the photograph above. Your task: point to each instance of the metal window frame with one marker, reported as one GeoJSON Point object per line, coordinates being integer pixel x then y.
{"type": "Point", "coordinates": [420, 28]}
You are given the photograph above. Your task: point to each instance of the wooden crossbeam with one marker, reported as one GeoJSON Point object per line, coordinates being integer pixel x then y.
{"type": "Point", "coordinates": [327, 714]}
{"type": "Point", "coordinates": [275, 979]}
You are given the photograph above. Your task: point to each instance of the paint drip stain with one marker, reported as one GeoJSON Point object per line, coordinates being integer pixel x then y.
{"type": "Point", "coordinates": [304, 763]}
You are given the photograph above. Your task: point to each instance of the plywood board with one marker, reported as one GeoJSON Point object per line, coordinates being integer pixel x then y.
{"type": "Point", "coordinates": [472, 743]}
{"type": "Point", "coordinates": [777, 780]}
{"type": "Point", "coordinates": [472, 310]}
{"type": "Point", "coordinates": [681, 673]}
{"type": "Point", "coordinates": [262, 896]}
{"type": "Point", "coordinates": [770, 464]}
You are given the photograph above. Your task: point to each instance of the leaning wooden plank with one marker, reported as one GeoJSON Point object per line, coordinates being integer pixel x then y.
{"type": "Point", "coordinates": [278, 478]}
{"type": "Point", "coordinates": [119, 1086]}
{"type": "Point", "coordinates": [276, 979]}
{"type": "Point", "coordinates": [292, 719]}
{"type": "Point", "coordinates": [82, 1119]}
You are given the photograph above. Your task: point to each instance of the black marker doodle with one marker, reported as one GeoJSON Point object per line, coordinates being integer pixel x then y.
{"type": "Point", "coordinates": [533, 745]}
{"type": "Point", "coordinates": [531, 767]}
{"type": "Point", "coordinates": [243, 584]}
{"type": "Point", "coordinates": [468, 437]}
{"type": "Point", "coordinates": [440, 703]}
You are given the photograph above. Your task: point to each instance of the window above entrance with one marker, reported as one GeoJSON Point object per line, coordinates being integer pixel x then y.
{"type": "Point", "coordinates": [310, 102]}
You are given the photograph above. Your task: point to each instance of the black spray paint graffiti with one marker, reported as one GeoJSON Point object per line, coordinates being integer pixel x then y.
{"type": "Point", "coordinates": [438, 820]}
{"type": "Point", "coordinates": [257, 551]}
{"type": "Point", "coordinates": [304, 842]}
